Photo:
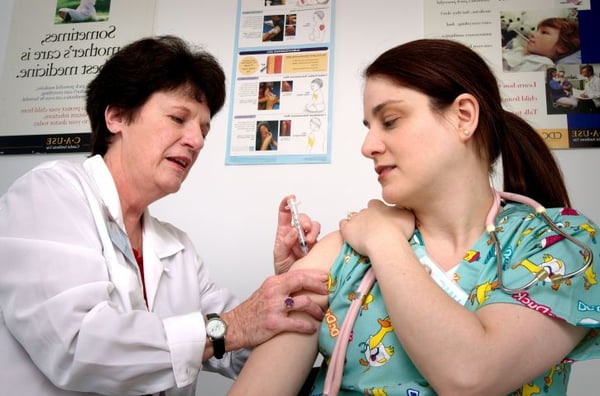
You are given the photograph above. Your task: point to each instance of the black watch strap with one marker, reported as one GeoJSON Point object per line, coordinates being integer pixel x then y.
{"type": "Point", "coordinates": [217, 343]}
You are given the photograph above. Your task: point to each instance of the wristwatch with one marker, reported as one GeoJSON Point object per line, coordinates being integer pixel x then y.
{"type": "Point", "coordinates": [216, 328]}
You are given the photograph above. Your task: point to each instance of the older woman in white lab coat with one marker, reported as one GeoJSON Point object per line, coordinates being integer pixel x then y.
{"type": "Point", "coordinates": [99, 297]}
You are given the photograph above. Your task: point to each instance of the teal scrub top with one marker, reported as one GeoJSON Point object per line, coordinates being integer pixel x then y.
{"type": "Point", "coordinates": [376, 363]}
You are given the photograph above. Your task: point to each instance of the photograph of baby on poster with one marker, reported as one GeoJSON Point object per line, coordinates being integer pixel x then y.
{"type": "Point", "coordinates": [73, 11]}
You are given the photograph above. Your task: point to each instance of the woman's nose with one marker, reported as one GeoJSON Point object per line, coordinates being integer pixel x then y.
{"type": "Point", "coordinates": [194, 138]}
{"type": "Point", "coordinates": [371, 145]}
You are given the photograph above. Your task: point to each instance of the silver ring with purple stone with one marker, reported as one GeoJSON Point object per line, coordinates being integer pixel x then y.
{"type": "Point", "coordinates": [289, 303]}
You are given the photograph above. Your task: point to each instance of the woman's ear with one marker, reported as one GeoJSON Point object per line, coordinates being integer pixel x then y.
{"type": "Point", "coordinates": [467, 113]}
{"type": "Point", "coordinates": [114, 119]}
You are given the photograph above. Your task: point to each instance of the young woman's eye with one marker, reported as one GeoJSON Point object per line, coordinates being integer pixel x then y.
{"type": "Point", "coordinates": [389, 122]}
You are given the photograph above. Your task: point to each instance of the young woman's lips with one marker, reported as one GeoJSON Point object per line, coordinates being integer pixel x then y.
{"type": "Point", "coordinates": [382, 171]}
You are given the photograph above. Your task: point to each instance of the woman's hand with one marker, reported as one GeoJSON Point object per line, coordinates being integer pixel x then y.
{"type": "Point", "coordinates": [266, 312]}
{"type": "Point", "coordinates": [371, 227]}
{"type": "Point", "coordinates": [272, 100]}
{"type": "Point", "coordinates": [267, 140]}
{"type": "Point", "coordinates": [287, 245]}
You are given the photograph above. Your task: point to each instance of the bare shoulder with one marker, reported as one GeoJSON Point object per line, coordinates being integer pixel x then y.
{"type": "Point", "coordinates": [322, 255]}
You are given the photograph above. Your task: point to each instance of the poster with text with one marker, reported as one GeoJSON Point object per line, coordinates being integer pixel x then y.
{"type": "Point", "coordinates": [282, 83]}
{"type": "Point", "coordinates": [544, 53]}
{"type": "Point", "coordinates": [54, 49]}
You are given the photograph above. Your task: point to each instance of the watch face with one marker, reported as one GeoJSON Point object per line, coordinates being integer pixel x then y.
{"type": "Point", "coordinates": [215, 328]}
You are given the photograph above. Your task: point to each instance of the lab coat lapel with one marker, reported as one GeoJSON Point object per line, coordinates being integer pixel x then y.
{"type": "Point", "coordinates": [123, 273]}
{"type": "Point", "coordinates": [159, 245]}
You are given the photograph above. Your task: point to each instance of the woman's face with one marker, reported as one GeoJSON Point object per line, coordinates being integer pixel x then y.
{"type": "Point", "coordinates": [412, 147]}
{"type": "Point", "coordinates": [157, 148]}
{"type": "Point", "coordinates": [544, 42]}
{"type": "Point", "coordinates": [264, 131]}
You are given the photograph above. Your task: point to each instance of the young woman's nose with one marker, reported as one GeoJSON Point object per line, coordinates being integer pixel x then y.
{"type": "Point", "coordinates": [371, 145]}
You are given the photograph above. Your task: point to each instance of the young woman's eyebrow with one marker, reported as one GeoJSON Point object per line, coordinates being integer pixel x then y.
{"type": "Point", "coordinates": [377, 109]}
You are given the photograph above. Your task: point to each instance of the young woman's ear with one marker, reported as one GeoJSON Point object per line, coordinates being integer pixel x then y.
{"type": "Point", "coordinates": [467, 114]}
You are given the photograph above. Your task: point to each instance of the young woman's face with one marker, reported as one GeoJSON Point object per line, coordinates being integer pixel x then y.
{"type": "Point", "coordinates": [544, 42]}
{"type": "Point", "coordinates": [413, 149]}
{"type": "Point", "coordinates": [157, 148]}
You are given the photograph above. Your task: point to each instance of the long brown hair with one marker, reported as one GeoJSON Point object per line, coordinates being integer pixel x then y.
{"type": "Point", "coordinates": [443, 69]}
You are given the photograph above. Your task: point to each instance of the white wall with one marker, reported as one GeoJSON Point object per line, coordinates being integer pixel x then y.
{"type": "Point", "coordinates": [230, 211]}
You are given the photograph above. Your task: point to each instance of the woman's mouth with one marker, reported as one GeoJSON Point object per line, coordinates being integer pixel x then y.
{"type": "Point", "coordinates": [382, 171]}
{"type": "Point", "coordinates": [183, 162]}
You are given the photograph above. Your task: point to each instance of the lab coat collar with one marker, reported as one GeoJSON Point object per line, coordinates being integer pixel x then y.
{"type": "Point", "coordinates": [159, 243]}
{"type": "Point", "coordinates": [105, 185]}
{"type": "Point", "coordinates": [163, 242]}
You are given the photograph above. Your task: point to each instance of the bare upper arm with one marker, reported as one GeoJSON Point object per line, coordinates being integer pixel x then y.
{"type": "Point", "coordinates": [285, 360]}
{"type": "Point", "coordinates": [321, 257]}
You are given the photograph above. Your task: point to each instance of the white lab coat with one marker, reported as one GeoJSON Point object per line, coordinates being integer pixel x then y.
{"type": "Point", "coordinates": [72, 313]}
{"type": "Point", "coordinates": [592, 89]}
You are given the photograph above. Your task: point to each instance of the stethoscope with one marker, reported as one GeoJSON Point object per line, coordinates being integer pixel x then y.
{"type": "Point", "coordinates": [543, 273]}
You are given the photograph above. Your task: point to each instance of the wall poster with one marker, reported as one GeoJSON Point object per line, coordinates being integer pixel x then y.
{"type": "Point", "coordinates": [282, 82]}
{"type": "Point", "coordinates": [557, 87]}
{"type": "Point", "coordinates": [54, 49]}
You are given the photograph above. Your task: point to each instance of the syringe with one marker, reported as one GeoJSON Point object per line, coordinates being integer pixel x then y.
{"type": "Point", "coordinates": [292, 206]}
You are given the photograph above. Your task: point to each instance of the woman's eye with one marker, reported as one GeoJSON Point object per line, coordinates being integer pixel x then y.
{"type": "Point", "coordinates": [178, 120]}
{"type": "Point", "coordinates": [389, 123]}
